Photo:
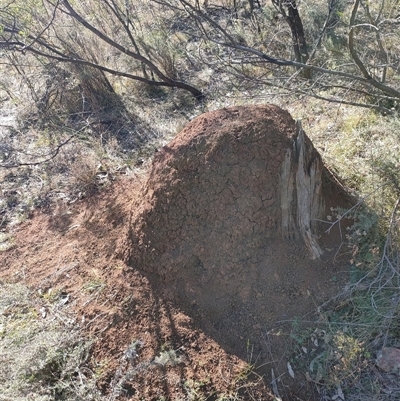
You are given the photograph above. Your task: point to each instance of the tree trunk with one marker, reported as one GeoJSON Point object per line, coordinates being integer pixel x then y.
{"type": "Point", "coordinates": [298, 37]}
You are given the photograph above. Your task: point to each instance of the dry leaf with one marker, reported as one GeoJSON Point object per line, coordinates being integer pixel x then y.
{"type": "Point", "coordinates": [290, 370]}
{"type": "Point", "coordinates": [340, 392]}
{"type": "Point", "coordinates": [314, 361]}
{"type": "Point", "coordinates": [318, 377]}
{"type": "Point", "coordinates": [275, 386]}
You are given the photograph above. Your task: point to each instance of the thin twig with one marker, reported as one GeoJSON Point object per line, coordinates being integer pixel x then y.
{"type": "Point", "coordinates": [50, 156]}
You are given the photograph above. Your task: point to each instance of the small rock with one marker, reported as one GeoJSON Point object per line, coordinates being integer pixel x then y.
{"type": "Point", "coordinates": [388, 360]}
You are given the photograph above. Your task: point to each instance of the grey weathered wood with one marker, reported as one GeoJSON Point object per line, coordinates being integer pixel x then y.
{"type": "Point", "coordinates": [301, 192]}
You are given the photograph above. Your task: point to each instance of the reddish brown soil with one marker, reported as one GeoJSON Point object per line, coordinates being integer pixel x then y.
{"type": "Point", "coordinates": [191, 259]}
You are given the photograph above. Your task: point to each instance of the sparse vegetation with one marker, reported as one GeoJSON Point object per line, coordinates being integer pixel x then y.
{"type": "Point", "coordinates": [78, 110]}
{"type": "Point", "coordinates": [167, 357]}
{"type": "Point", "coordinates": [43, 355]}
{"type": "Point", "coordinates": [5, 242]}
{"type": "Point", "coordinates": [339, 356]}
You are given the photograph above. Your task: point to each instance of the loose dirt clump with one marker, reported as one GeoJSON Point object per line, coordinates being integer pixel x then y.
{"type": "Point", "coordinates": [186, 280]}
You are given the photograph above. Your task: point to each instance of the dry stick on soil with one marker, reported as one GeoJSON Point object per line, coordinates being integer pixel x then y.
{"type": "Point", "coordinates": [50, 156]}
{"type": "Point", "coordinates": [275, 386]}
{"type": "Point", "coordinates": [342, 216]}
{"type": "Point", "coordinates": [387, 272]}
{"type": "Point", "coordinates": [359, 203]}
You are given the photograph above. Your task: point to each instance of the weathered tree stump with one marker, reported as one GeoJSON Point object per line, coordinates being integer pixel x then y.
{"type": "Point", "coordinates": [302, 202]}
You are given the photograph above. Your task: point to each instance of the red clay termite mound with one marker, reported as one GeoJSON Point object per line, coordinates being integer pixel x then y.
{"type": "Point", "coordinates": [228, 220]}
